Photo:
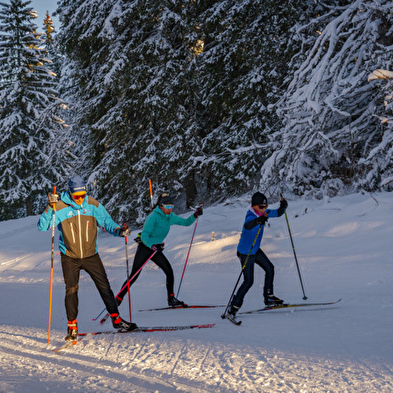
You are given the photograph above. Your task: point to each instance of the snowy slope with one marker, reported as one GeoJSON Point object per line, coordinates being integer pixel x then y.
{"type": "Point", "coordinates": [344, 248]}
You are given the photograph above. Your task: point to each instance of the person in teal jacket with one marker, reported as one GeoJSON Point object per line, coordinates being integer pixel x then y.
{"type": "Point", "coordinates": [77, 217]}
{"type": "Point", "coordinates": [155, 230]}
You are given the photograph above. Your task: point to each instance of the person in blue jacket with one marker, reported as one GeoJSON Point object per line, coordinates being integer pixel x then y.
{"type": "Point", "coordinates": [77, 217]}
{"type": "Point", "coordinates": [155, 230]}
{"type": "Point", "coordinates": [256, 218]}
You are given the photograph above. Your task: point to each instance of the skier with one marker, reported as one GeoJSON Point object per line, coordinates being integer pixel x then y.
{"type": "Point", "coordinates": [256, 218]}
{"type": "Point", "coordinates": [155, 229]}
{"type": "Point", "coordinates": [77, 216]}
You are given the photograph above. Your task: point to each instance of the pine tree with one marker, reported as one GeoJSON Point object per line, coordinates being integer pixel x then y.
{"type": "Point", "coordinates": [29, 164]}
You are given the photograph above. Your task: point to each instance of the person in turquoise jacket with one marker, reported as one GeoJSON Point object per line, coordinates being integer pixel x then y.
{"type": "Point", "coordinates": [155, 230]}
{"type": "Point", "coordinates": [249, 251]}
{"type": "Point", "coordinates": [77, 217]}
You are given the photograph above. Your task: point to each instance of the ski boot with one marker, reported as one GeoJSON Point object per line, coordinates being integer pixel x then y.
{"type": "Point", "coordinates": [231, 315]}
{"type": "Point", "coordinates": [173, 302]}
{"type": "Point", "coordinates": [272, 300]}
{"type": "Point", "coordinates": [72, 331]}
{"type": "Point", "coordinates": [121, 324]}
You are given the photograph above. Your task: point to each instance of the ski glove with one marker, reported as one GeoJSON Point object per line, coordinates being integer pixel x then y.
{"type": "Point", "coordinates": [124, 231]}
{"type": "Point", "coordinates": [283, 204]}
{"type": "Point", "coordinates": [198, 212]}
{"type": "Point", "coordinates": [53, 198]}
{"type": "Point", "coordinates": [158, 247]}
{"type": "Point", "coordinates": [261, 220]}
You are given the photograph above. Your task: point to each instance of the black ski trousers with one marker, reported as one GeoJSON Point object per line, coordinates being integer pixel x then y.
{"type": "Point", "coordinates": [143, 253]}
{"type": "Point", "coordinates": [94, 267]}
{"type": "Point", "coordinates": [261, 260]}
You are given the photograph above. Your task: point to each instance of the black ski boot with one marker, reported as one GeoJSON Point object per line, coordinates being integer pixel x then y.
{"type": "Point", "coordinates": [231, 315]}
{"type": "Point", "coordinates": [272, 300]}
{"type": "Point", "coordinates": [72, 331]}
{"type": "Point", "coordinates": [173, 302]}
{"type": "Point", "coordinates": [121, 324]}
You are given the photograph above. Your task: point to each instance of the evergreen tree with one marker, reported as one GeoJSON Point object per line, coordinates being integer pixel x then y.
{"type": "Point", "coordinates": [331, 136]}
{"type": "Point", "coordinates": [29, 163]}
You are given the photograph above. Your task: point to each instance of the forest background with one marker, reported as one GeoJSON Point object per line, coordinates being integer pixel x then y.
{"type": "Point", "coordinates": [207, 99]}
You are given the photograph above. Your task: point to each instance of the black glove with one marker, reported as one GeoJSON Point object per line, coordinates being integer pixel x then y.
{"type": "Point", "coordinates": [283, 204]}
{"type": "Point", "coordinates": [198, 212]}
{"type": "Point", "coordinates": [53, 198]}
{"type": "Point", "coordinates": [138, 238]}
{"type": "Point", "coordinates": [158, 247]}
{"type": "Point", "coordinates": [124, 231]}
{"type": "Point", "coordinates": [261, 220]}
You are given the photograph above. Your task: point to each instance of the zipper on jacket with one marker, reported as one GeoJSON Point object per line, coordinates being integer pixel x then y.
{"type": "Point", "coordinates": [87, 231]}
{"type": "Point", "coordinates": [80, 234]}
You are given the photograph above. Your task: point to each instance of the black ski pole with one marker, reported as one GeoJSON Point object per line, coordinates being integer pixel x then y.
{"type": "Point", "coordinates": [294, 253]}
{"type": "Point", "coordinates": [128, 274]}
{"type": "Point", "coordinates": [243, 267]}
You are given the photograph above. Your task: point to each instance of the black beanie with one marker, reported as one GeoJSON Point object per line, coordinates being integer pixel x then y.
{"type": "Point", "coordinates": [258, 199]}
{"type": "Point", "coordinates": [165, 199]}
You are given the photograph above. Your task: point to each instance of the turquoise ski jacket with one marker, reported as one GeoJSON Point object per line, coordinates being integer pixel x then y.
{"type": "Point", "coordinates": [157, 226]}
{"type": "Point", "coordinates": [78, 225]}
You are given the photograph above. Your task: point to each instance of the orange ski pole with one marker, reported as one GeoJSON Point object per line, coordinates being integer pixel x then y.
{"type": "Point", "coordinates": [51, 265]}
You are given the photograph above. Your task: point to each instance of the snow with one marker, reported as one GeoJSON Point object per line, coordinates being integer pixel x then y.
{"type": "Point", "coordinates": [343, 247]}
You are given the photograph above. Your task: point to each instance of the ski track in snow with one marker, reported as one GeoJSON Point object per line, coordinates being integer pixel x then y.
{"type": "Point", "coordinates": [165, 364]}
{"type": "Point", "coordinates": [344, 250]}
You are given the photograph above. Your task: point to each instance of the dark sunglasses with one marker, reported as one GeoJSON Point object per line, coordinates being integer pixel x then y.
{"type": "Point", "coordinates": [262, 206]}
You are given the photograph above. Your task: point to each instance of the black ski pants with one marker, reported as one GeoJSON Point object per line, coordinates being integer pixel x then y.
{"type": "Point", "coordinates": [261, 260]}
{"type": "Point", "coordinates": [94, 267]}
{"type": "Point", "coordinates": [143, 253]}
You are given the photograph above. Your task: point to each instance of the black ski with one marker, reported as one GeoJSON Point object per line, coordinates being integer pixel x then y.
{"type": "Point", "coordinates": [140, 329]}
{"type": "Point", "coordinates": [181, 307]}
{"type": "Point", "coordinates": [278, 307]}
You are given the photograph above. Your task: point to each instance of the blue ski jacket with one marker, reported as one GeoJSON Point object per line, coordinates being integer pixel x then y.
{"type": "Point", "coordinates": [157, 226]}
{"type": "Point", "coordinates": [248, 235]}
{"type": "Point", "coordinates": [78, 225]}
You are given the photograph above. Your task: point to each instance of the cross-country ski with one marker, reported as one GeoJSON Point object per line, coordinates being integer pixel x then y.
{"type": "Point", "coordinates": [141, 329]}
{"type": "Point", "coordinates": [283, 306]}
{"type": "Point", "coordinates": [186, 306]}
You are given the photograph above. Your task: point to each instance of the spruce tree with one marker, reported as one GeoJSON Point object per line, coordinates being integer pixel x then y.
{"type": "Point", "coordinates": [332, 141]}
{"type": "Point", "coordinates": [29, 164]}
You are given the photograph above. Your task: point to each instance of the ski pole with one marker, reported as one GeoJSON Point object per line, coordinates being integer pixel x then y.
{"type": "Point", "coordinates": [128, 275]}
{"type": "Point", "coordinates": [243, 267]}
{"type": "Point", "coordinates": [294, 253]}
{"type": "Point", "coordinates": [51, 265]}
{"type": "Point", "coordinates": [126, 285]}
{"type": "Point", "coordinates": [151, 194]}
{"type": "Point", "coordinates": [128, 282]}
{"type": "Point", "coordinates": [188, 254]}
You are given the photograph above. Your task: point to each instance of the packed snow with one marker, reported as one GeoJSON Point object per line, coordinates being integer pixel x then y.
{"type": "Point", "coordinates": [344, 250]}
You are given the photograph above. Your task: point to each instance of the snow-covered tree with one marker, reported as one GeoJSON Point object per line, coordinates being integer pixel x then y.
{"type": "Point", "coordinates": [384, 150]}
{"type": "Point", "coordinates": [332, 139]}
{"type": "Point", "coordinates": [30, 163]}
{"type": "Point", "coordinates": [128, 62]}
